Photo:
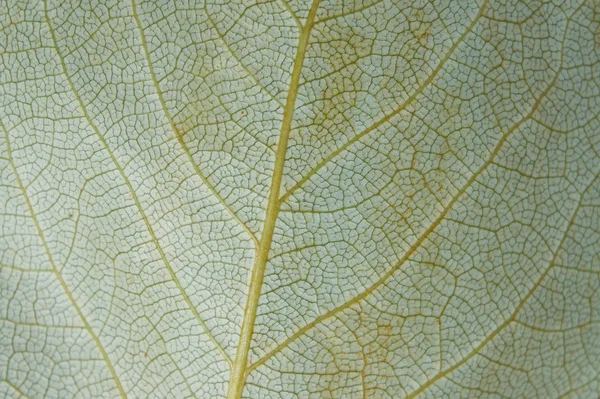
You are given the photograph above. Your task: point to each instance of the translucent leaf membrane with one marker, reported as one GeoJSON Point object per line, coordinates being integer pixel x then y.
{"type": "Point", "coordinates": [291, 199]}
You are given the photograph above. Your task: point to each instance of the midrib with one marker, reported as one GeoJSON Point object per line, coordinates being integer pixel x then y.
{"type": "Point", "coordinates": [240, 363]}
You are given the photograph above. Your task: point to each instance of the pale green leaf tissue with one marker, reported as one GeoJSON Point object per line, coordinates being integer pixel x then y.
{"type": "Point", "coordinates": [300, 199]}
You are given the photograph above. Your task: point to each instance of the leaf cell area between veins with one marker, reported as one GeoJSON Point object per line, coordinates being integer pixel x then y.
{"type": "Point", "coordinates": [300, 199]}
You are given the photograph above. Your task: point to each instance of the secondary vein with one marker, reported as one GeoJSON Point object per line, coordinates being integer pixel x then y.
{"type": "Point", "coordinates": [57, 272]}
{"type": "Point", "coordinates": [178, 134]}
{"type": "Point", "coordinates": [134, 196]}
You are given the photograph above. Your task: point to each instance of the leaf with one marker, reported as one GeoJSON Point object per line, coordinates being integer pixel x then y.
{"type": "Point", "coordinates": [387, 199]}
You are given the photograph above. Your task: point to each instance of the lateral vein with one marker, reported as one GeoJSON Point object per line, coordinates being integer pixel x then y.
{"type": "Point", "coordinates": [414, 247]}
{"type": "Point", "coordinates": [56, 271]}
{"type": "Point", "coordinates": [178, 134]}
{"type": "Point", "coordinates": [386, 118]}
{"type": "Point", "coordinates": [517, 310]}
{"type": "Point", "coordinates": [136, 200]}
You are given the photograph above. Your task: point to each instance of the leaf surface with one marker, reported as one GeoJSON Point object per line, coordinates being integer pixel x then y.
{"type": "Point", "coordinates": [283, 199]}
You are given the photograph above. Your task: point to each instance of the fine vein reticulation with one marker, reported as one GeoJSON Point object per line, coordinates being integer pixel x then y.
{"type": "Point", "coordinates": [285, 200]}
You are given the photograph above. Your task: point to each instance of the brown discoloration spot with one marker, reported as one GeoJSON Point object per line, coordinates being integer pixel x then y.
{"type": "Point", "coordinates": [384, 330]}
{"type": "Point", "coordinates": [341, 87]}
{"type": "Point", "coordinates": [419, 27]}
{"type": "Point", "coordinates": [181, 129]}
{"type": "Point", "coordinates": [422, 37]}
{"type": "Point", "coordinates": [409, 211]}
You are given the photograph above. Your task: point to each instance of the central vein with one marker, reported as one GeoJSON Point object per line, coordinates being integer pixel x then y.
{"type": "Point", "coordinates": [240, 363]}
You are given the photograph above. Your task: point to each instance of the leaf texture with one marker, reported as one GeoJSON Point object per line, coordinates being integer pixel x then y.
{"type": "Point", "coordinates": [284, 199]}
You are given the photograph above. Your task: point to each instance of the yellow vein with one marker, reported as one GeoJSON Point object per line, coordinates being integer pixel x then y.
{"type": "Point", "coordinates": [583, 326]}
{"type": "Point", "coordinates": [45, 326]}
{"type": "Point", "coordinates": [239, 61]}
{"type": "Point", "coordinates": [240, 364]}
{"type": "Point", "coordinates": [412, 248]}
{"type": "Point", "coordinates": [178, 134]}
{"type": "Point", "coordinates": [17, 390]}
{"type": "Point", "coordinates": [520, 306]}
{"type": "Point", "coordinates": [132, 191]}
{"type": "Point", "coordinates": [23, 270]}
{"type": "Point", "coordinates": [55, 269]}
{"type": "Point", "coordinates": [571, 392]}
{"type": "Point", "coordinates": [388, 117]}
{"type": "Point", "coordinates": [287, 7]}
